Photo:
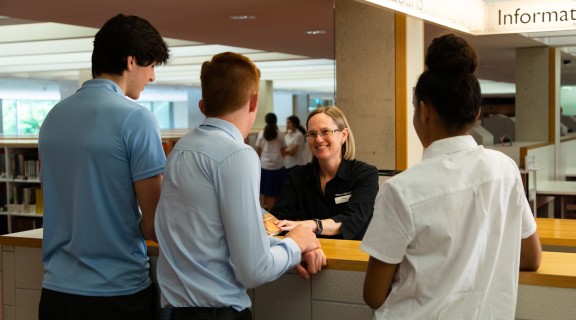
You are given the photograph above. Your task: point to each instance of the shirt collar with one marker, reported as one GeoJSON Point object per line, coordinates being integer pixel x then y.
{"type": "Point", "coordinates": [343, 170]}
{"type": "Point", "coordinates": [109, 84]}
{"type": "Point", "coordinates": [225, 126]}
{"type": "Point", "coordinates": [449, 145]}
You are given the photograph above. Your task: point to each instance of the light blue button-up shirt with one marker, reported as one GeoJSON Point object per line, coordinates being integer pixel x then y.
{"type": "Point", "coordinates": [209, 223]}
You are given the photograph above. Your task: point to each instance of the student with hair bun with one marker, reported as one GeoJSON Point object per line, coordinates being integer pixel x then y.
{"type": "Point", "coordinates": [450, 234]}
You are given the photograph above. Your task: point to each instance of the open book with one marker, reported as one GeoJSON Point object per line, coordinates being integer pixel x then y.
{"type": "Point", "coordinates": [269, 224]}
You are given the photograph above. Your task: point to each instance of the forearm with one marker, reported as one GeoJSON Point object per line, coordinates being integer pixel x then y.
{"type": "Point", "coordinates": [291, 150]}
{"type": "Point", "coordinates": [281, 257]}
{"type": "Point", "coordinates": [148, 194]}
{"type": "Point", "coordinates": [530, 253]}
{"type": "Point", "coordinates": [378, 281]}
{"type": "Point", "coordinates": [329, 226]}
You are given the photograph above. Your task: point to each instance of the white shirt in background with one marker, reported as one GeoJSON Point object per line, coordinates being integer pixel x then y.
{"type": "Point", "coordinates": [294, 138]}
{"type": "Point", "coordinates": [271, 156]}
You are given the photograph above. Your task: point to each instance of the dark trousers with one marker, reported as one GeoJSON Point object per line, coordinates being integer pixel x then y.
{"type": "Point", "coordinates": [199, 313]}
{"type": "Point", "coordinates": [56, 305]}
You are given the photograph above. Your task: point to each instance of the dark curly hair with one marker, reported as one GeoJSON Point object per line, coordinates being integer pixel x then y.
{"type": "Point", "coordinates": [449, 84]}
{"type": "Point", "coordinates": [123, 36]}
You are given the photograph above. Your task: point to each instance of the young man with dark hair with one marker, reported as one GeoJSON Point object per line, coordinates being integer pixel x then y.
{"type": "Point", "coordinates": [102, 163]}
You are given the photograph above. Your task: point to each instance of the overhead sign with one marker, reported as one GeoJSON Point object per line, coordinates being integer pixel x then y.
{"type": "Point", "coordinates": [529, 16]}
{"type": "Point", "coordinates": [463, 15]}
{"type": "Point", "coordinates": [478, 17]}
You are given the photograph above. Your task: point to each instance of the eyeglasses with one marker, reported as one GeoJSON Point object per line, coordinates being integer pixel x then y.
{"type": "Point", "coordinates": [323, 133]}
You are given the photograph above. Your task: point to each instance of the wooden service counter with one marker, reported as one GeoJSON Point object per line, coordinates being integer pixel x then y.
{"type": "Point", "coordinates": [557, 234]}
{"type": "Point", "coordinates": [335, 293]}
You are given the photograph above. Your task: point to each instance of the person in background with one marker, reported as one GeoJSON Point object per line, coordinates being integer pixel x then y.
{"type": "Point", "coordinates": [295, 142]}
{"type": "Point", "coordinates": [334, 194]}
{"type": "Point", "coordinates": [102, 163]}
{"type": "Point", "coordinates": [450, 234]}
{"type": "Point", "coordinates": [270, 146]}
{"type": "Point", "coordinates": [209, 222]}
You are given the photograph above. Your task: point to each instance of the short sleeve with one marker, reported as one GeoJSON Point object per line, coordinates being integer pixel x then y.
{"type": "Point", "coordinates": [259, 139]}
{"type": "Point", "coordinates": [144, 145]}
{"type": "Point", "coordinates": [528, 221]}
{"type": "Point", "coordinates": [391, 229]}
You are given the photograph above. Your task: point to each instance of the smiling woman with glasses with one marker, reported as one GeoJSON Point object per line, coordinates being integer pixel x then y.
{"type": "Point", "coordinates": [334, 194]}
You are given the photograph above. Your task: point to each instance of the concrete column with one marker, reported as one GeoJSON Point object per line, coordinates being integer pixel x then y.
{"type": "Point", "coordinates": [265, 104]}
{"type": "Point", "coordinates": [365, 73]}
{"type": "Point", "coordinates": [538, 98]}
{"type": "Point", "coordinates": [300, 104]}
{"type": "Point", "coordinates": [532, 94]}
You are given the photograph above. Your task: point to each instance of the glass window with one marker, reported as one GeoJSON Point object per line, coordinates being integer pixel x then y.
{"type": "Point", "coordinates": [24, 116]}
{"type": "Point", "coordinates": [163, 112]}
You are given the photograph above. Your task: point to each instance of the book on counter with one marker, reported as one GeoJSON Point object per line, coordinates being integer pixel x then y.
{"type": "Point", "coordinates": [270, 225]}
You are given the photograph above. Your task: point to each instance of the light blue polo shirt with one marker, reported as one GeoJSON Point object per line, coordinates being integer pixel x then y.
{"type": "Point", "coordinates": [93, 146]}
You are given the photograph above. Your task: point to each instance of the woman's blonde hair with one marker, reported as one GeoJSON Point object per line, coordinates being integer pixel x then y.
{"type": "Point", "coordinates": [349, 147]}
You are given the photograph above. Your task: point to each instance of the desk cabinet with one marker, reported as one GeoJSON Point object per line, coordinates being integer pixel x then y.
{"type": "Point", "coordinates": [330, 295]}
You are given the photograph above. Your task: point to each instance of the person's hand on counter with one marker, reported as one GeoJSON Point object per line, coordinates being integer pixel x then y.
{"type": "Point", "coordinates": [304, 238]}
{"type": "Point", "coordinates": [288, 225]}
{"type": "Point", "coordinates": [313, 258]}
{"type": "Point", "coordinates": [312, 263]}
{"type": "Point", "coordinates": [325, 227]}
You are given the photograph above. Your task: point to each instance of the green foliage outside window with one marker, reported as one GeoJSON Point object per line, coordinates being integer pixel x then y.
{"type": "Point", "coordinates": [24, 116]}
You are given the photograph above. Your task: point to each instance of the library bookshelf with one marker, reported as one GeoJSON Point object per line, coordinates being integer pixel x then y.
{"type": "Point", "coordinates": [20, 188]}
{"type": "Point", "coordinates": [21, 198]}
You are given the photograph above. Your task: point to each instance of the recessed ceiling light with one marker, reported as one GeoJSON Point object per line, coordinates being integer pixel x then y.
{"type": "Point", "coordinates": [243, 17]}
{"type": "Point", "coordinates": [315, 32]}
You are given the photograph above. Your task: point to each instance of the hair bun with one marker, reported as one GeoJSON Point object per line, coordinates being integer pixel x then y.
{"type": "Point", "coordinates": [452, 56]}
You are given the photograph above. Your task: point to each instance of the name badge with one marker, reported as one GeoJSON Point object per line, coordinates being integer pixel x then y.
{"type": "Point", "coordinates": [342, 197]}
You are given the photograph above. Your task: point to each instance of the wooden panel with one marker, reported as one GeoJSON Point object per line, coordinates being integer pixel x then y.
{"type": "Point", "coordinates": [552, 87]}
{"type": "Point", "coordinates": [400, 93]}
{"type": "Point", "coordinates": [557, 232]}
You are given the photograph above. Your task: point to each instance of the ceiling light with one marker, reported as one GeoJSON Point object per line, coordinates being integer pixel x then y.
{"type": "Point", "coordinates": [243, 17]}
{"type": "Point", "coordinates": [315, 32]}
